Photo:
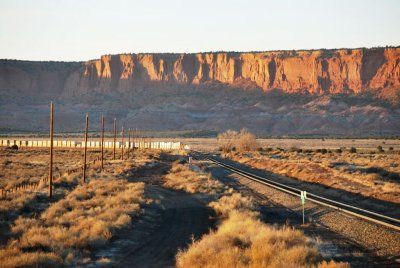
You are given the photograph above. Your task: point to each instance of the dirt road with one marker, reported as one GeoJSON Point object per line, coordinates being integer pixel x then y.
{"type": "Point", "coordinates": [168, 224]}
{"type": "Point", "coordinates": [177, 218]}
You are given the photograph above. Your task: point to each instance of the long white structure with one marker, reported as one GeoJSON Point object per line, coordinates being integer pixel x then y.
{"type": "Point", "coordinates": [162, 145]}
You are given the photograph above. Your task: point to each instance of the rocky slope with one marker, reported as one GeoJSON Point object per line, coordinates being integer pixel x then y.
{"type": "Point", "coordinates": [200, 90]}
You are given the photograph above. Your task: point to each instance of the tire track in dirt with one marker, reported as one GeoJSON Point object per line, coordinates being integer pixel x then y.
{"type": "Point", "coordinates": [166, 225]}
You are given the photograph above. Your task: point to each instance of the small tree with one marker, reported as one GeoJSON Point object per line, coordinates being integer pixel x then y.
{"type": "Point", "coordinates": [227, 140]}
{"type": "Point", "coordinates": [353, 150]}
{"type": "Point", "coordinates": [246, 141]}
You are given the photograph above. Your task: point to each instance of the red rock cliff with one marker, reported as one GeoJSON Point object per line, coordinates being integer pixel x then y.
{"type": "Point", "coordinates": [315, 72]}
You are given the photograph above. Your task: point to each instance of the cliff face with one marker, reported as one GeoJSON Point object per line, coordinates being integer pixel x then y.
{"type": "Point", "coordinates": [193, 91]}
{"type": "Point", "coordinates": [315, 72]}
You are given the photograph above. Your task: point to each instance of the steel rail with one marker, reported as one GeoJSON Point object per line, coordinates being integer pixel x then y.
{"type": "Point", "coordinates": [313, 197]}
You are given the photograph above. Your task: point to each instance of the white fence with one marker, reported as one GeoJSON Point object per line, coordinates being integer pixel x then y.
{"type": "Point", "coordinates": [95, 144]}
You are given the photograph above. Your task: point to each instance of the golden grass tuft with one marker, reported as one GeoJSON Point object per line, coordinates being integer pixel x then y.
{"type": "Point", "coordinates": [16, 258]}
{"type": "Point", "coordinates": [182, 177]}
{"type": "Point", "coordinates": [234, 202]}
{"type": "Point", "coordinates": [242, 240]}
{"type": "Point", "coordinates": [15, 201]}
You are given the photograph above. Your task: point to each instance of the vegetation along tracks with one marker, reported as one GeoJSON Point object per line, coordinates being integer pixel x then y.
{"type": "Point", "coordinates": [371, 216]}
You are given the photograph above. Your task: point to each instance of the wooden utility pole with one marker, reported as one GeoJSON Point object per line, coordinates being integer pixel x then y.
{"type": "Point", "coordinates": [102, 142]}
{"type": "Point", "coordinates": [143, 134]}
{"type": "Point", "coordinates": [133, 143]}
{"type": "Point", "coordinates": [51, 151]}
{"type": "Point", "coordinates": [115, 135]}
{"type": "Point", "coordinates": [123, 145]}
{"type": "Point", "coordinates": [129, 141]}
{"type": "Point", "coordinates": [137, 139]}
{"type": "Point", "coordinates": [84, 155]}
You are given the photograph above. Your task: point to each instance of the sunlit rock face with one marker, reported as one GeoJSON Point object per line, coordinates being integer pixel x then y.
{"type": "Point", "coordinates": [327, 92]}
{"type": "Point", "coordinates": [313, 72]}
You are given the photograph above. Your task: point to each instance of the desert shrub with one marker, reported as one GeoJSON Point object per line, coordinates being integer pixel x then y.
{"type": "Point", "coordinates": [380, 149]}
{"type": "Point", "coordinates": [181, 177]}
{"type": "Point", "coordinates": [339, 151]}
{"type": "Point", "coordinates": [390, 148]}
{"type": "Point", "coordinates": [353, 150]}
{"type": "Point", "coordinates": [231, 140]}
{"type": "Point", "coordinates": [227, 140]}
{"type": "Point", "coordinates": [324, 151]}
{"type": "Point", "coordinates": [227, 204]}
{"type": "Point", "coordinates": [14, 147]}
{"type": "Point", "coordinates": [16, 258]}
{"type": "Point", "coordinates": [242, 240]}
{"type": "Point", "coordinates": [246, 141]}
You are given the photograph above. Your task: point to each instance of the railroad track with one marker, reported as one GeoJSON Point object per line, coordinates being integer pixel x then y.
{"type": "Point", "coordinates": [364, 214]}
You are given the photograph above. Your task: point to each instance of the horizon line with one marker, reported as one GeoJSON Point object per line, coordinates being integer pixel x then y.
{"type": "Point", "coordinates": [205, 52]}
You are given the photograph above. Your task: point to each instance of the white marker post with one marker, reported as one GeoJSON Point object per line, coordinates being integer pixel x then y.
{"type": "Point", "coordinates": [303, 200]}
{"type": "Point", "coordinates": [190, 160]}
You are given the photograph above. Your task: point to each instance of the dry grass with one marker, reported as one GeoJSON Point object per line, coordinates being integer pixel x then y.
{"type": "Point", "coordinates": [373, 175]}
{"type": "Point", "coordinates": [234, 202]}
{"type": "Point", "coordinates": [84, 219]}
{"type": "Point", "coordinates": [15, 202]}
{"type": "Point", "coordinates": [31, 165]}
{"type": "Point", "coordinates": [183, 177]}
{"type": "Point", "coordinates": [242, 240]}
{"type": "Point", "coordinates": [212, 144]}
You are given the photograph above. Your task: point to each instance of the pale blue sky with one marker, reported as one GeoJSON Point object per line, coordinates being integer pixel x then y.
{"type": "Point", "coordinates": [85, 29]}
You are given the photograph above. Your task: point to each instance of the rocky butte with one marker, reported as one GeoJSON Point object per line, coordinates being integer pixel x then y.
{"type": "Point", "coordinates": [315, 72]}
{"type": "Point", "coordinates": [319, 73]}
